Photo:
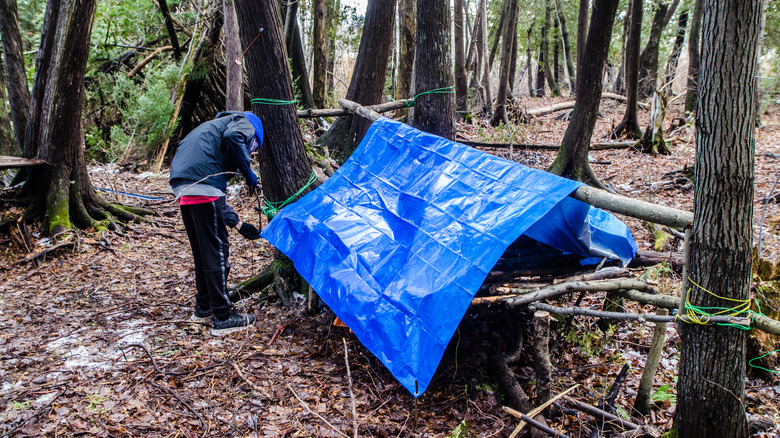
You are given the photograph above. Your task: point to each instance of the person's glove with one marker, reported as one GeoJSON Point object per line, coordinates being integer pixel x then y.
{"type": "Point", "coordinates": [251, 182]}
{"type": "Point", "coordinates": [249, 231]}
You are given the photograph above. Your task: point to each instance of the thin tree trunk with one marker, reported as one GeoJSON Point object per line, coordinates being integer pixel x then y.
{"type": "Point", "coordinates": [528, 53]}
{"type": "Point", "coordinates": [620, 86]}
{"type": "Point", "coordinates": [333, 23]}
{"type": "Point", "coordinates": [300, 72]}
{"type": "Point", "coordinates": [234, 67]}
{"type": "Point", "coordinates": [407, 16]}
{"type": "Point", "coordinates": [548, 70]}
{"type": "Point", "coordinates": [582, 34]}
{"type": "Point", "coordinates": [572, 158]}
{"type": "Point", "coordinates": [629, 126]}
{"type": "Point", "coordinates": [674, 58]}
{"type": "Point", "coordinates": [171, 29]}
{"type": "Point", "coordinates": [513, 62]}
{"type": "Point", "coordinates": [510, 24]}
{"type": "Point", "coordinates": [648, 60]}
{"type": "Point", "coordinates": [461, 77]}
{"type": "Point", "coordinates": [540, 73]}
{"type": "Point", "coordinates": [15, 76]}
{"type": "Point", "coordinates": [485, 81]}
{"type": "Point", "coordinates": [433, 113]}
{"type": "Point", "coordinates": [693, 58]}
{"type": "Point", "coordinates": [8, 144]}
{"type": "Point", "coordinates": [566, 47]}
{"type": "Point", "coordinates": [498, 31]}
{"type": "Point", "coordinates": [368, 78]}
{"type": "Point", "coordinates": [711, 386]}
{"type": "Point", "coordinates": [320, 56]}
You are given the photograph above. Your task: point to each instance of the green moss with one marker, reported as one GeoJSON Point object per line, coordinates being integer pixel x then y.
{"type": "Point", "coordinates": [57, 210]}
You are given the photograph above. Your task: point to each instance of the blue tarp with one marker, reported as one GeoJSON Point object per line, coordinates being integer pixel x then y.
{"type": "Point", "coordinates": [398, 241]}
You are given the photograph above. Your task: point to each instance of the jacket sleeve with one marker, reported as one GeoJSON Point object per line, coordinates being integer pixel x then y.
{"type": "Point", "coordinates": [228, 214]}
{"type": "Point", "coordinates": [235, 138]}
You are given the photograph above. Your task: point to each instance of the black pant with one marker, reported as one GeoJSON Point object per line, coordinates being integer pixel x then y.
{"type": "Point", "coordinates": [208, 238]}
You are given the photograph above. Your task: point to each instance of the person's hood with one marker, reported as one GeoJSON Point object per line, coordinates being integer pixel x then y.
{"type": "Point", "coordinates": [258, 125]}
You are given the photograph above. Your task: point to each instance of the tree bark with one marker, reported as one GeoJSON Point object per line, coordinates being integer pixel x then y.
{"type": "Point", "coordinates": [542, 58]}
{"type": "Point", "coordinates": [572, 158]}
{"type": "Point", "coordinates": [529, 71]}
{"type": "Point", "coordinates": [566, 47]}
{"type": "Point", "coordinates": [171, 28]}
{"type": "Point", "coordinates": [711, 387]}
{"type": "Point", "coordinates": [407, 15]}
{"type": "Point", "coordinates": [498, 32]}
{"type": "Point", "coordinates": [674, 58]}
{"type": "Point", "coordinates": [582, 35]}
{"type": "Point", "coordinates": [510, 24]}
{"type": "Point", "coordinates": [485, 73]}
{"type": "Point", "coordinates": [62, 195]}
{"type": "Point", "coordinates": [693, 58]}
{"type": "Point", "coordinates": [368, 78]}
{"type": "Point", "coordinates": [15, 76]}
{"type": "Point", "coordinates": [648, 60]}
{"type": "Point", "coordinates": [461, 77]}
{"type": "Point", "coordinates": [334, 6]}
{"type": "Point", "coordinates": [234, 66]}
{"type": "Point", "coordinates": [8, 144]}
{"type": "Point", "coordinates": [320, 56]}
{"type": "Point", "coordinates": [629, 126]}
{"type": "Point", "coordinates": [300, 72]}
{"type": "Point", "coordinates": [433, 113]}
{"type": "Point", "coordinates": [548, 70]}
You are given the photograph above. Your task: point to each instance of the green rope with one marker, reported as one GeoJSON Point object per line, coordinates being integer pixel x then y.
{"type": "Point", "coordinates": [750, 362]}
{"type": "Point", "coordinates": [266, 101]}
{"type": "Point", "coordinates": [271, 208]}
{"type": "Point", "coordinates": [445, 90]}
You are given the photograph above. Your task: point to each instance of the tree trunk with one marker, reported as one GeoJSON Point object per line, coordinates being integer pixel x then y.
{"type": "Point", "coordinates": [407, 16]}
{"type": "Point", "coordinates": [334, 6]}
{"type": "Point", "coordinates": [548, 70]}
{"type": "Point", "coordinates": [8, 144]}
{"type": "Point", "coordinates": [582, 34]}
{"type": "Point", "coordinates": [510, 24]}
{"type": "Point", "coordinates": [368, 78]}
{"type": "Point", "coordinates": [693, 58]}
{"type": "Point", "coordinates": [498, 31]}
{"type": "Point", "coordinates": [485, 81]}
{"type": "Point", "coordinates": [540, 68]}
{"type": "Point", "coordinates": [513, 62]}
{"type": "Point", "coordinates": [629, 126]}
{"type": "Point", "coordinates": [234, 67]}
{"type": "Point", "coordinates": [674, 58]}
{"type": "Point", "coordinates": [433, 113]}
{"type": "Point", "coordinates": [648, 60]}
{"type": "Point", "coordinates": [619, 86]}
{"type": "Point", "coordinates": [284, 166]}
{"type": "Point", "coordinates": [320, 56]}
{"type": "Point", "coordinates": [652, 141]}
{"type": "Point", "coordinates": [556, 50]}
{"type": "Point", "coordinates": [15, 76]}
{"type": "Point", "coordinates": [567, 47]}
{"type": "Point", "coordinates": [61, 193]}
{"type": "Point", "coordinates": [572, 158]}
{"type": "Point", "coordinates": [461, 77]}
{"type": "Point", "coordinates": [300, 73]}
{"type": "Point", "coordinates": [711, 387]}
{"type": "Point", "coordinates": [171, 29]}
{"type": "Point", "coordinates": [528, 53]}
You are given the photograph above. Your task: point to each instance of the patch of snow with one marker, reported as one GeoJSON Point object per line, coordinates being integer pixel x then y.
{"type": "Point", "coordinates": [82, 357]}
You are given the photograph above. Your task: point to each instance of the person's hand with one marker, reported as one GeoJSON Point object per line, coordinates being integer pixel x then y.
{"type": "Point", "coordinates": [249, 231]}
{"type": "Point", "coordinates": [251, 182]}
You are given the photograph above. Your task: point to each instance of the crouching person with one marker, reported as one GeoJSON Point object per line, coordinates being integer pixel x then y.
{"type": "Point", "coordinates": [205, 160]}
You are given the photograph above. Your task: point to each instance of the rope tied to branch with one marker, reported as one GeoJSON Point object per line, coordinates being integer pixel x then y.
{"type": "Point", "coordinates": [271, 208]}
{"type": "Point", "coordinates": [701, 315]}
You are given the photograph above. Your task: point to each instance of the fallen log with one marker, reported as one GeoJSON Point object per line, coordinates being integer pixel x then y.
{"type": "Point", "coordinates": [7, 162]}
{"type": "Point", "coordinates": [339, 112]}
{"type": "Point", "coordinates": [600, 414]}
{"type": "Point", "coordinates": [650, 258]}
{"type": "Point", "coordinates": [549, 146]}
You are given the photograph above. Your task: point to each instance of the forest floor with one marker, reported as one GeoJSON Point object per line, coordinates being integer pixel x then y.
{"type": "Point", "coordinates": [96, 339]}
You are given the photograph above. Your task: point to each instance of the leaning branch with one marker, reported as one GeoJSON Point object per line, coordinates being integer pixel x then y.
{"type": "Point", "coordinates": [148, 59]}
{"type": "Point", "coordinates": [654, 213]}
{"type": "Point", "coordinates": [334, 112]}
{"type": "Point", "coordinates": [574, 286]}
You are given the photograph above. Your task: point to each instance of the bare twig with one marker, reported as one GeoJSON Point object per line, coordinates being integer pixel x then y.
{"type": "Point", "coordinates": [38, 412]}
{"type": "Point", "coordinates": [351, 392]}
{"type": "Point", "coordinates": [600, 414]}
{"type": "Point", "coordinates": [39, 254]}
{"type": "Point", "coordinates": [305, 405]}
{"type": "Point", "coordinates": [535, 411]}
{"type": "Point", "coordinates": [185, 404]}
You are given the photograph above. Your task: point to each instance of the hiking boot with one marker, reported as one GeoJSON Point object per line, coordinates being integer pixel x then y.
{"type": "Point", "coordinates": [200, 315]}
{"type": "Point", "coordinates": [235, 322]}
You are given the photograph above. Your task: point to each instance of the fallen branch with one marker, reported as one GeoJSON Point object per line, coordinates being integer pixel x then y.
{"type": "Point", "coordinates": [186, 405]}
{"type": "Point", "coordinates": [7, 162]}
{"type": "Point", "coordinates": [247, 381]}
{"type": "Point", "coordinates": [148, 59]}
{"type": "Point", "coordinates": [305, 405]}
{"type": "Point", "coordinates": [623, 99]}
{"type": "Point", "coordinates": [31, 257]}
{"type": "Point", "coordinates": [336, 112]}
{"type": "Point", "coordinates": [600, 414]}
{"type": "Point", "coordinates": [549, 146]}
{"type": "Point", "coordinates": [574, 286]}
{"type": "Point", "coordinates": [351, 392]}
{"type": "Point", "coordinates": [733, 320]}
{"type": "Point", "coordinates": [535, 411]}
